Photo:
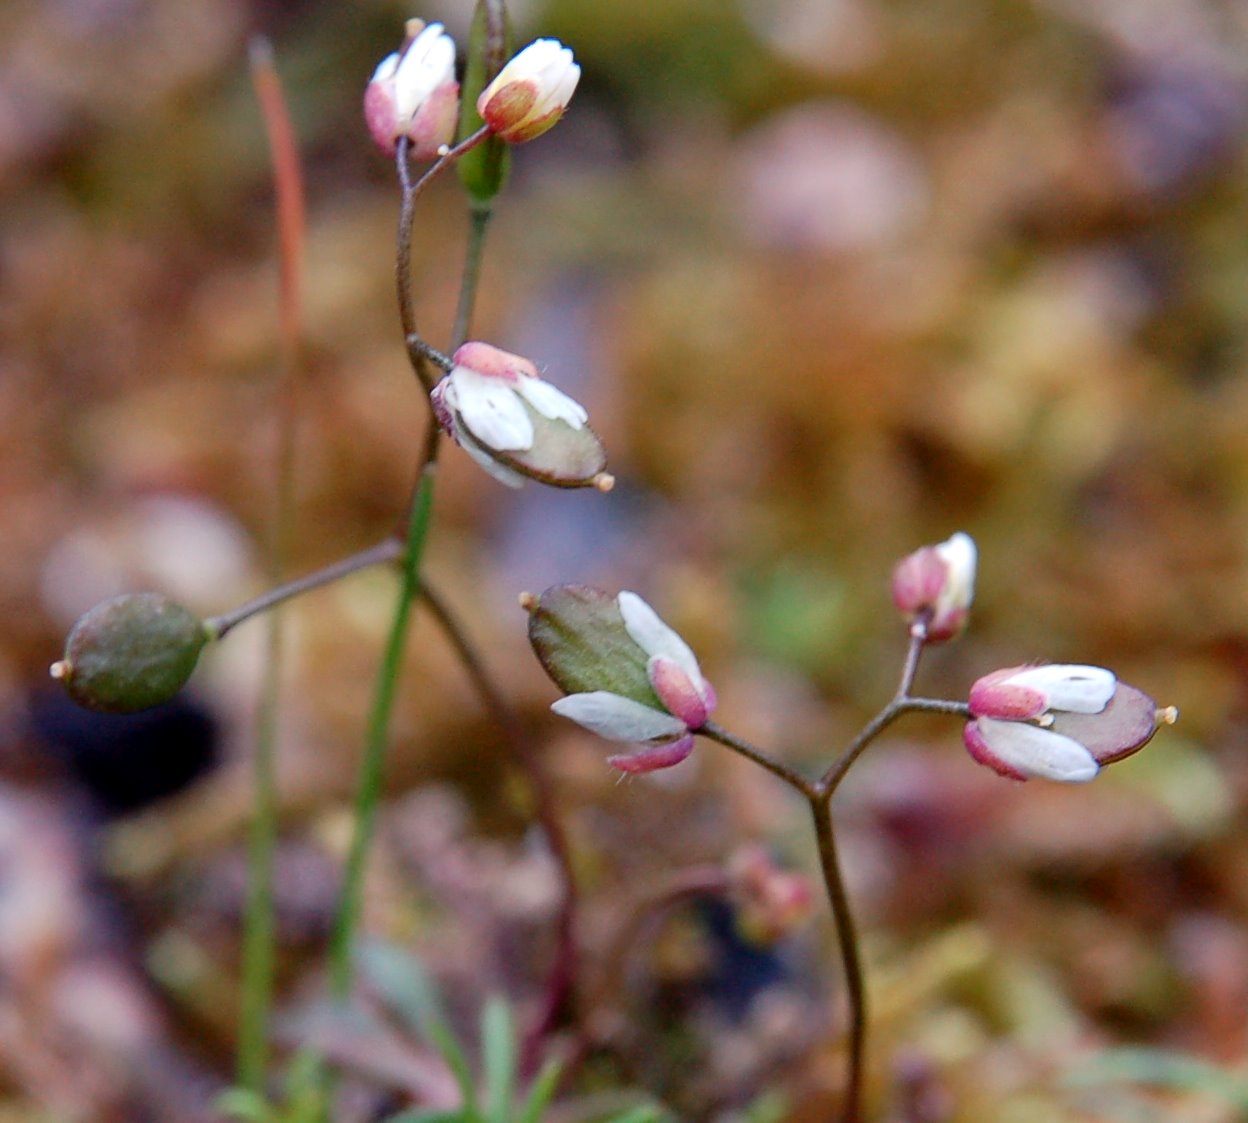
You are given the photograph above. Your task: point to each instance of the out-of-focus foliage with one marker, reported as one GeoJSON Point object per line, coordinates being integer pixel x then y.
{"type": "Point", "coordinates": [835, 278]}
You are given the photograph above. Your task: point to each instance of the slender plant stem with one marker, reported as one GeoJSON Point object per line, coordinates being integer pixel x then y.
{"type": "Point", "coordinates": [520, 739]}
{"type": "Point", "coordinates": [368, 793]}
{"type": "Point", "coordinates": [847, 940]}
{"type": "Point", "coordinates": [409, 192]}
{"type": "Point", "coordinates": [752, 752]}
{"type": "Point", "coordinates": [479, 215]}
{"type": "Point", "coordinates": [387, 551]}
{"type": "Point", "coordinates": [258, 952]}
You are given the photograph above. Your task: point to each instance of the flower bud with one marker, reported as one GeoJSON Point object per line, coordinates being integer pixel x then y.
{"type": "Point", "coordinates": [934, 587]}
{"type": "Point", "coordinates": [514, 424]}
{"type": "Point", "coordinates": [131, 652]}
{"type": "Point", "coordinates": [531, 92]}
{"type": "Point", "coordinates": [1058, 721]}
{"type": "Point", "coordinates": [627, 675]}
{"type": "Point", "coordinates": [413, 93]}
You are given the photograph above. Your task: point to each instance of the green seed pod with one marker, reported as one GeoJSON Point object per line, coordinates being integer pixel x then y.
{"type": "Point", "coordinates": [483, 171]}
{"type": "Point", "coordinates": [131, 652]}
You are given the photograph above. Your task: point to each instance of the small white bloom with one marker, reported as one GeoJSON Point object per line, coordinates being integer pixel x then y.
{"type": "Point", "coordinates": [530, 93]}
{"type": "Point", "coordinates": [938, 584]}
{"type": "Point", "coordinates": [484, 404]}
{"type": "Point", "coordinates": [655, 638]}
{"type": "Point", "coordinates": [1059, 721]}
{"type": "Point", "coordinates": [413, 93]}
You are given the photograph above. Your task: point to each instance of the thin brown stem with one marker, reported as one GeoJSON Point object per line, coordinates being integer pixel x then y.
{"type": "Point", "coordinates": [847, 941]}
{"type": "Point", "coordinates": [389, 550]}
{"type": "Point", "coordinates": [520, 739]}
{"type": "Point", "coordinates": [752, 752]}
{"type": "Point", "coordinates": [409, 192]}
{"type": "Point", "coordinates": [831, 779]}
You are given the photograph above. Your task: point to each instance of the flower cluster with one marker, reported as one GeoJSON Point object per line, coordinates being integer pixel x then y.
{"type": "Point", "coordinates": [1058, 721]}
{"type": "Point", "coordinates": [413, 93]}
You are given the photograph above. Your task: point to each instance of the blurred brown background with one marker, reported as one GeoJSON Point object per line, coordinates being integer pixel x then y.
{"type": "Point", "coordinates": [835, 278]}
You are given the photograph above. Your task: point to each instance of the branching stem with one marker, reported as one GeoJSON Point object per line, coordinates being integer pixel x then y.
{"type": "Point", "coordinates": [818, 795]}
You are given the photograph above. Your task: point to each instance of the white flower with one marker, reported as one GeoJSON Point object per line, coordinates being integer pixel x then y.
{"type": "Point", "coordinates": [1058, 721]}
{"type": "Point", "coordinates": [530, 93]}
{"type": "Point", "coordinates": [677, 681]}
{"type": "Point", "coordinates": [413, 93]}
{"type": "Point", "coordinates": [487, 405]}
{"type": "Point", "coordinates": [938, 583]}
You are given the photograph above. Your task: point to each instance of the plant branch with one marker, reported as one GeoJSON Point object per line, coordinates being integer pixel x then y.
{"type": "Point", "coordinates": [409, 192]}
{"type": "Point", "coordinates": [520, 740]}
{"type": "Point", "coordinates": [751, 752]}
{"type": "Point", "coordinates": [847, 941]}
{"type": "Point", "coordinates": [831, 779]}
{"type": "Point", "coordinates": [386, 551]}
{"type": "Point", "coordinates": [479, 216]}
{"type": "Point", "coordinates": [368, 794]}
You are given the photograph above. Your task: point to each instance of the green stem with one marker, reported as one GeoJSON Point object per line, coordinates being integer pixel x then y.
{"type": "Point", "coordinates": [479, 221]}
{"type": "Point", "coordinates": [368, 793]}
{"type": "Point", "coordinates": [545, 810]}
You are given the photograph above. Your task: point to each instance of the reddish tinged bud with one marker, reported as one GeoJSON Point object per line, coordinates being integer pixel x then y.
{"type": "Point", "coordinates": [934, 587]}
{"type": "Point", "coordinates": [531, 92]}
{"type": "Point", "coordinates": [413, 93]}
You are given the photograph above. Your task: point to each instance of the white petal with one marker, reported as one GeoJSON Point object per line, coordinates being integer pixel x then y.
{"type": "Point", "coordinates": [428, 63]}
{"type": "Point", "coordinates": [552, 402]}
{"type": "Point", "coordinates": [960, 556]}
{"type": "Point", "coordinates": [1038, 752]}
{"type": "Point", "coordinates": [385, 68]}
{"type": "Point", "coordinates": [618, 718]}
{"type": "Point", "coordinates": [1073, 687]}
{"type": "Point", "coordinates": [492, 411]}
{"type": "Point", "coordinates": [500, 472]}
{"type": "Point", "coordinates": [656, 638]}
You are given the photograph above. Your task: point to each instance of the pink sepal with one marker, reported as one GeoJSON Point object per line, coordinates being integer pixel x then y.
{"type": "Point", "coordinates": [655, 757]}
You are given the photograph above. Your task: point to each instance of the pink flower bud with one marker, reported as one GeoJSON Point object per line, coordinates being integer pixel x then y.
{"type": "Point", "coordinates": [514, 424]}
{"type": "Point", "coordinates": [413, 93]}
{"type": "Point", "coordinates": [1058, 721]}
{"type": "Point", "coordinates": [530, 93]}
{"type": "Point", "coordinates": [937, 583]}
